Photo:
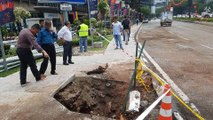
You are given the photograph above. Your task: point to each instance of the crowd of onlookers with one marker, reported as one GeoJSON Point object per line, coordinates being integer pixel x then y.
{"type": "Point", "coordinates": [42, 38]}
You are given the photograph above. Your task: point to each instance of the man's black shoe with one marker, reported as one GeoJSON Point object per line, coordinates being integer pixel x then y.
{"type": "Point", "coordinates": [65, 64]}
{"type": "Point", "coordinates": [71, 62]}
{"type": "Point", "coordinates": [53, 73]}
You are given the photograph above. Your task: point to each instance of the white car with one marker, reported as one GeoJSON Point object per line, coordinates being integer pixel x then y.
{"type": "Point", "coordinates": [145, 20]}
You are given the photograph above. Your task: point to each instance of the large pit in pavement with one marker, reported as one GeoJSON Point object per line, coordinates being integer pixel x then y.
{"type": "Point", "coordinates": [101, 97]}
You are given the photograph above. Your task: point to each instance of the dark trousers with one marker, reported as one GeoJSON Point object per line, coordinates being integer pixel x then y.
{"type": "Point", "coordinates": [50, 49]}
{"type": "Point", "coordinates": [67, 51]}
{"type": "Point", "coordinates": [26, 58]}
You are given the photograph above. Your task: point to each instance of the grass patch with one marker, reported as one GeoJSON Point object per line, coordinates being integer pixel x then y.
{"type": "Point", "coordinates": [9, 72]}
{"type": "Point", "coordinates": [14, 70]}
{"type": "Point", "coordinates": [105, 43]}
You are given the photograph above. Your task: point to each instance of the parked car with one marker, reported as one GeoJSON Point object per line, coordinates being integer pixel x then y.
{"type": "Point", "coordinates": [207, 14]}
{"type": "Point", "coordinates": [145, 20]}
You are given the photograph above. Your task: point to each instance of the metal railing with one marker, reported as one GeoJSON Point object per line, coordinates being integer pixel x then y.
{"type": "Point", "coordinates": [13, 62]}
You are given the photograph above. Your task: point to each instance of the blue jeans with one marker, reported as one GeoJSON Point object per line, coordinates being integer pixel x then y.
{"type": "Point", "coordinates": [118, 41]}
{"type": "Point", "coordinates": [83, 43]}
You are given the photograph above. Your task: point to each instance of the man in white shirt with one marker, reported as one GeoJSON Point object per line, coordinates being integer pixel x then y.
{"type": "Point", "coordinates": [66, 36]}
{"type": "Point", "coordinates": [117, 28]}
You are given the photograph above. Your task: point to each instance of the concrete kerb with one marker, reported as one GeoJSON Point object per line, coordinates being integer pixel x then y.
{"type": "Point", "coordinates": [168, 79]}
{"type": "Point", "coordinates": [64, 84]}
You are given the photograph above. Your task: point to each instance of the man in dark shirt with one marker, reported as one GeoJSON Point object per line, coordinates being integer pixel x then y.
{"type": "Point", "coordinates": [126, 29]}
{"type": "Point", "coordinates": [46, 38]}
{"type": "Point", "coordinates": [41, 23]}
{"type": "Point", "coordinates": [24, 51]}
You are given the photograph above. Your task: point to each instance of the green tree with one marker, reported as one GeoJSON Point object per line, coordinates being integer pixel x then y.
{"type": "Point", "coordinates": [146, 11]}
{"type": "Point", "coordinates": [158, 11]}
{"type": "Point", "coordinates": [210, 4]}
{"type": "Point", "coordinates": [20, 14]}
{"type": "Point", "coordinates": [103, 9]}
{"type": "Point", "coordinates": [134, 4]}
{"type": "Point", "coordinates": [200, 7]}
{"type": "Point", "coordinates": [182, 9]}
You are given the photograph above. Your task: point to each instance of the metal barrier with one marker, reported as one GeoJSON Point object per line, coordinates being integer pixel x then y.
{"type": "Point", "coordinates": [13, 62]}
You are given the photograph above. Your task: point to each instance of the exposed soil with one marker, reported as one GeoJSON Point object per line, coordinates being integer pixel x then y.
{"type": "Point", "coordinates": [105, 97]}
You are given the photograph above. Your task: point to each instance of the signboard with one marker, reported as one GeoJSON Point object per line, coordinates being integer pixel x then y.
{"type": "Point", "coordinates": [63, 1]}
{"type": "Point", "coordinates": [6, 11]}
{"type": "Point", "coordinates": [51, 15]}
{"type": "Point", "coordinates": [65, 7]}
{"type": "Point", "coordinates": [93, 8]}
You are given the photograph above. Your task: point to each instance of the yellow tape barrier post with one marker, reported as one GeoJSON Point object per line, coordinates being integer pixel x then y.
{"type": "Point", "coordinates": [141, 64]}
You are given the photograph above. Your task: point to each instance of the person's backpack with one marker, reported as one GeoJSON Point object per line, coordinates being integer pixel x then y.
{"type": "Point", "coordinates": [125, 24]}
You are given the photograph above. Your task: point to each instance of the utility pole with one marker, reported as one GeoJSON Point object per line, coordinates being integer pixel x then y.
{"type": "Point", "coordinates": [90, 28]}
{"type": "Point", "coordinates": [189, 7]}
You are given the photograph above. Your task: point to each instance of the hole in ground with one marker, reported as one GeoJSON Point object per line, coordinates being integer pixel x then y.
{"type": "Point", "coordinates": [98, 97]}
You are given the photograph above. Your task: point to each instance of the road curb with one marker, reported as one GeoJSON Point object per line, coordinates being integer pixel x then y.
{"type": "Point", "coordinates": [182, 95]}
{"type": "Point", "coordinates": [64, 84]}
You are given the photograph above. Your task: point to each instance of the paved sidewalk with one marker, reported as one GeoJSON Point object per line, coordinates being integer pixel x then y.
{"type": "Point", "coordinates": [36, 102]}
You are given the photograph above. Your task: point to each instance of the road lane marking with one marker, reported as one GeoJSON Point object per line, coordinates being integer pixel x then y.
{"type": "Point", "coordinates": [170, 32]}
{"type": "Point", "coordinates": [183, 38]}
{"type": "Point", "coordinates": [206, 46]}
{"type": "Point", "coordinates": [171, 39]}
{"type": "Point", "coordinates": [184, 46]}
{"type": "Point", "coordinates": [179, 36]}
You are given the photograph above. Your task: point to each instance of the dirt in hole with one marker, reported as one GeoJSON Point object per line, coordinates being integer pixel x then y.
{"type": "Point", "coordinates": [100, 97]}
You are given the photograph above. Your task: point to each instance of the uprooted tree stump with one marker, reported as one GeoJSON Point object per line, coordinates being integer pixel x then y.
{"type": "Point", "coordinates": [99, 70]}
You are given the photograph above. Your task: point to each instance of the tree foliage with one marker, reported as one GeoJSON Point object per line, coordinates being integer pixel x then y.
{"type": "Point", "coordinates": [184, 8]}
{"type": "Point", "coordinates": [134, 4]}
{"type": "Point", "coordinates": [145, 10]}
{"type": "Point", "coordinates": [210, 4]}
{"type": "Point", "coordinates": [103, 8]}
{"type": "Point", "coordinates": [21, 13]}
{"type": "Point", "coordinates": [158, 11]}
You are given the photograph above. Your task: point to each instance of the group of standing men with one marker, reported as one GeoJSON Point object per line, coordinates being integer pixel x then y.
{"type": "Point", "coordinates": [42, 38]}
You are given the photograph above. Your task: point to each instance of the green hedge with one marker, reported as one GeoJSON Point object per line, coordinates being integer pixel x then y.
{"type": "Point", "coordinates": [195, 19]}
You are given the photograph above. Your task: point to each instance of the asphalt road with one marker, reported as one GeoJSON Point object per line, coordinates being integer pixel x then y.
{"type": "Point", "coordinates": [185, 53]}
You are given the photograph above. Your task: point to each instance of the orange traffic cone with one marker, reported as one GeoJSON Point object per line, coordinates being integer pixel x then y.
{"type": "Point", "coordinates": [166, 105]}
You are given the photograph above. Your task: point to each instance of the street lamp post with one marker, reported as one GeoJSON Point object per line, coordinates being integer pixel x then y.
{"type": "Point", "coordinates": [88, 4]}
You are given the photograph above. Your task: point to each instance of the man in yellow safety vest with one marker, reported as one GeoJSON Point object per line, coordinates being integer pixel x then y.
{"type": "Point", "coordinates": [83, 30]}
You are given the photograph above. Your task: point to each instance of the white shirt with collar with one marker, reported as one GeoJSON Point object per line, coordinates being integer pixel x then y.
{"type": "Point", "coordinates": [65, 33]}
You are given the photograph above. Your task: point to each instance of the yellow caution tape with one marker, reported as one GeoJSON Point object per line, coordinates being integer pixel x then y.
{"type": "Point", "coordinates": [139, 74]}
{"type": "Point", "coordinates": [189, 108]}
{"type": "Point", "coordinates": [138, 77]}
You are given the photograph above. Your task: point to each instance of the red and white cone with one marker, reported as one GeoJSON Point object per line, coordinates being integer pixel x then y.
{"type": "Point", "coordinates": [166, 105]}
